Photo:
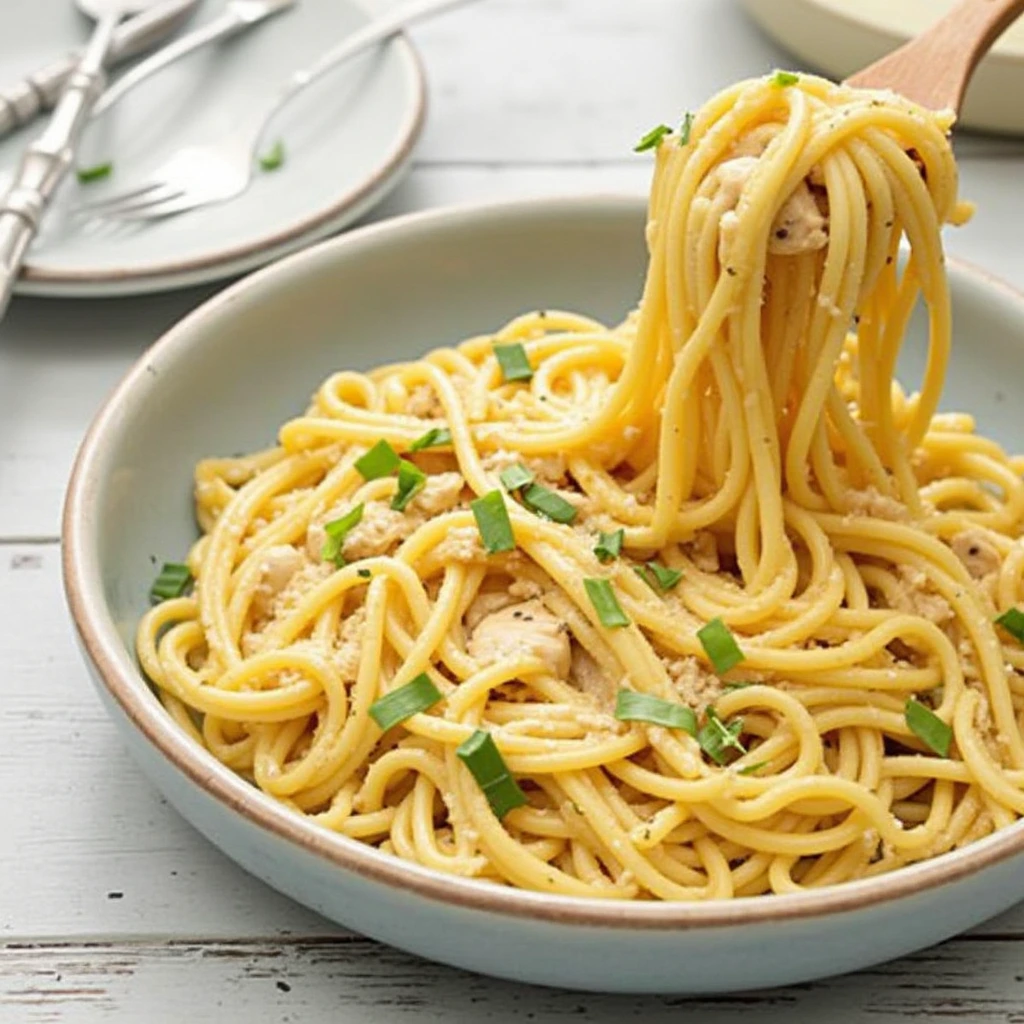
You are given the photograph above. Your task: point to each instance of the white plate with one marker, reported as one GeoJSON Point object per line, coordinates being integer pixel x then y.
{"type": "Point", "coordinates": [839, 36]}
{"type": "Point", "coordinates": [347, 140]}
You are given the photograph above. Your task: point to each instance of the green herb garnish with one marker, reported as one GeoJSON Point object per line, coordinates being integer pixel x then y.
{"type": "Point", "coordinates": [716, 737]}
{"type": "Point", "coordinates": [720, 646]}
{"type": "Point", "coordinates": [548, 504]}
{"type": "Point", "coordinates": [652, 139]}
{"type": "Point", "coordinates": [174, 579]}
{"type": "Point", "coordinates": [436, 437]}
{"type": "Point", "coordinates": [493, 522]}
{"type": "Point", "coordinates": [481, 756]}
{"type": "Point", "coordinates": [273, 158]}
{"type": "Point", "coordinates": [631, 706]}
{"type": "Point", "coordinates": [928, 727]}
{"type": "Point", "coordinates": [605, 603]}
{"type": "Point", "coordinates": [364, 574]}
{"type": "Point", "coordinates": [784, 78]}
{"type": "Point", "coordinates": [513, 478]}
{"type": "Point", "coordinates": [751, 768]}
{"type": "Point", "coordinates": [381, 460]}
{"type": "Point", "coordinates": [514, 363]}
{"type": "Point", "coordinates": [87, 175]}
{"type": "Point", "coordinates": [1012, 620]}
{"type": "Point", "coordinates": [337, 530]}
{"type": "Point", "coordinates": [664, 579]}
{"type": "Point", "coordinates": [609, 545]}
{"type": "Point", "coordinates": [411, 480]}
{"type": "Point", "coordinates": [684, 130]}
{"type": "Point", "coordinates": [398, 705]}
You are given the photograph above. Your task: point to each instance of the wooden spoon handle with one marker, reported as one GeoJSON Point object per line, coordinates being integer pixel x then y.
{"type": "Point", "coordinates": [934, 68]}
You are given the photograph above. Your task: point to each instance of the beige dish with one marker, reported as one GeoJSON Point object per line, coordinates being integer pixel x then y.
{"type": "Point", "coordinates": [389, 292]}
{"type": "Point", "coordinates": [837, 37]}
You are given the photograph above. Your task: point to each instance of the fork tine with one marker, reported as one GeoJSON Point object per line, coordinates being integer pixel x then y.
{"type": "Point", "coordinates": [179, 202]}
{"type": "Point", "coordinates": [127, 209]}
{"type": "Point", "coordinates": [118, 198]}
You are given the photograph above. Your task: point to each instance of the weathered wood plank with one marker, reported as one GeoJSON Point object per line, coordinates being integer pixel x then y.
{"type": "Point", "coordinates": [89, 849]}
{"type": "Point", "coordinates": [355, 980]}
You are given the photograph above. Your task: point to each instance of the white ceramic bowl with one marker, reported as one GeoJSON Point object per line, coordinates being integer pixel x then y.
{"type": "Point", "coordinates": [227, 375]}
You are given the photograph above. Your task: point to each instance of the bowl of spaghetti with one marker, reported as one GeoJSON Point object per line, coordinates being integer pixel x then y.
{"type": "Point", "coordinates": [595, 593]}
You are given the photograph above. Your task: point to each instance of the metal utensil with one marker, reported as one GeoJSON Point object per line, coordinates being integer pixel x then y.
{"type": "Point", "coordinates": [200, 175]}
{"type": "Point", "coordinates": [237, 17]}
{"type": "Point", "coordinates": [48, 158]}
{"type": "Point", "coordinates": [39, 91]}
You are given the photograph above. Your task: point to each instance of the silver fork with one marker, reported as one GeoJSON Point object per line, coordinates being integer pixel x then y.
{"type": "Point", "coordinates": [200, 175]}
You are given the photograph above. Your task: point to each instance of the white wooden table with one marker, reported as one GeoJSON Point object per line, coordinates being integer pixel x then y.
{"type": "Point", "coordinates": [111, 907]}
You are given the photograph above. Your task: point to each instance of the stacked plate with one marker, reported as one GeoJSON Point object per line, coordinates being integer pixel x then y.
{"type": "Point", "coordinates": [348, 140]}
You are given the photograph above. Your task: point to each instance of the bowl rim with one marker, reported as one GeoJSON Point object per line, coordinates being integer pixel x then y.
{"type": "Point", "coordinates": [129, 690]}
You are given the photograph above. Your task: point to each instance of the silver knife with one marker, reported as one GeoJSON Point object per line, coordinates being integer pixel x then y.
{"type": "Point", "coordinates": [40, 91]}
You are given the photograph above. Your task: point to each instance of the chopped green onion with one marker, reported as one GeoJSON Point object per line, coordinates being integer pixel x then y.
{"type": "Point", "coordinates": [652, 139]}
{"type": "Point", "coordinates": [364, 573]}
{"type": "Point", "coordinates": [273, 158]}
{"type": "Point", "coordinates": [337, 530]}
{"type": "Point", "coordinates": [609, 545]}
{"type": "Point", "coordinates": [717, 737]}
{"type": "Point", "coordinates": [729, 687]}
{"type": "Point", "coordinates": [664, 578]}
{"type": "Point", "coordinates": [751, 768]}
{"type": "Point", "coordinates": [514, 363]}
{"type": "Point", "coordinates": [631, 706]}
{"type": "Point", "coordinates": [549, 504]}
{"type": "Point", "coordinates": [398, 705]}
{"type": "Point", "coordinates": [436, 437]}
{"type": "Point", "coordinates": [381, 460]}
{"type": "Point", "coordinates": [481, 756]}
{"type": "Point", "coordinates": [784, 78]}
{"type": "Point", "coordinates": [411, 480]}
{"type": "Point", "coordinates": [513, 478]}
{"type": "Point", "coordinates": [928, 727]}
{"type": "Point", "coordinates": [493, 522]}
{"type": "Point", "coordinates": [87, 175]}
{"type": "Point", "coordinates": [720, 646]}
{"type": "Point", "coordinates": [173, 581]}
{"type": "Point", "coordinates": [606, 604]}
{"type": "Point", "coordinates": [1012, 621]}
{"type": "Point", "coordinates": [684, 131]}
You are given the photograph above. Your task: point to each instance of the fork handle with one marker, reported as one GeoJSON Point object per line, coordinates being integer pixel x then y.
{"type": "Point", "coordinates": [47, 158]}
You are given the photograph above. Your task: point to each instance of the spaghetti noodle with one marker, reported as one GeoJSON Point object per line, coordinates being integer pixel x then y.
{"type": "Point", "coordinates": [700, 606]}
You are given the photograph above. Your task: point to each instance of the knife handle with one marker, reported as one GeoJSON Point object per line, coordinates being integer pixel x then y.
{"type": "Point", "coordinates": [20, 103]}
{"type": "Point", "coordinates": [47, 159]}
{"type": "Point", "coordinates": [37, 92]}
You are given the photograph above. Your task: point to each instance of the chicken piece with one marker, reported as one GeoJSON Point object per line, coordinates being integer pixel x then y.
{"type": "Point", "coordinates": [522, 629]}
{"type": "Point", "coordinates": [799, 226]}
{"type": "Point", "coordinates": [279, 564]}
{"type": "Point", "coordinates": [977, 552]}
{"type": "Point", "coordinates": [484, 604]}
{"type": "Point", "coordinates": [383, 528]}
{"type": "Point", "coordinates": [441, 493]}
{"type": "Point", "coordinates": [703, 551]}
{"type": "Point", "coordinates": [695, 685]}
{"type": "Point", "coordinates": [590, 678]}
{"type": "Point", "coordinates": [547, 469]}
{"type": "Point", "coordinates": [872, 502]}
{"type": "Point", "coordinates": [917, 596]}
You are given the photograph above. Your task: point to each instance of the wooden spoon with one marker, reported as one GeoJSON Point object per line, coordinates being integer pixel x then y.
{"type": "Point", "coordinates": [935, 68]}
